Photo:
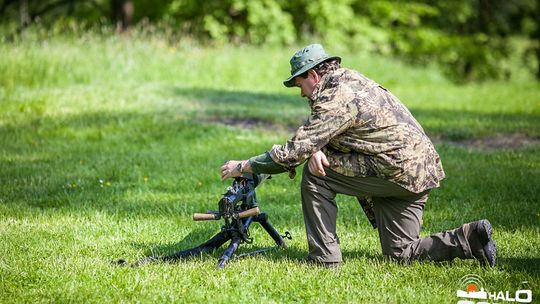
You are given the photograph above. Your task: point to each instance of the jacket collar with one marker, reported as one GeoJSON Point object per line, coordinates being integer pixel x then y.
{"type": "Point", "coordinates": [329, 80]}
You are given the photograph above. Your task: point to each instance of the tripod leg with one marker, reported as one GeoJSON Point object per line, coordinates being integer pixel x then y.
{"type": "Point", "coordinates": [228, 252]}
{"type": "Point", "coordinates": [214, 243]}
{"type": "Point", "coordinates": [263, 220]}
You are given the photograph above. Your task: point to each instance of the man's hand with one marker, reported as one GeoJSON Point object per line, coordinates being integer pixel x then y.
{"type": "Point", "coordinates": [234, 168]}
{"type": "Point", "coordinates": [316, 164]}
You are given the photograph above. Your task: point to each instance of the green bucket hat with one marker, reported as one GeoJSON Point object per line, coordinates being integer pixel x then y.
{"type": "Point", "coordinates": [306, 59]}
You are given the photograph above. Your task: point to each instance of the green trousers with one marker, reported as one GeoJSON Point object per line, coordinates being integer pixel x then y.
{"type": "Point", "coordinates": [398, 213]}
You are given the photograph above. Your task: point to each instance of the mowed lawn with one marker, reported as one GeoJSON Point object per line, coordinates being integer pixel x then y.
{"type": "Point", "coordinates": [108, 145]}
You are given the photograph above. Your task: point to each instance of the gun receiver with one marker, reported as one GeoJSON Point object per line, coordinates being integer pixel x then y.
{"type": "Point", "coordinates": [238, 202]}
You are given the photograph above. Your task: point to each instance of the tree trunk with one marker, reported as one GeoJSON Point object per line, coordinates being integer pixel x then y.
{"type": "Point", "coordinates": [71, 7]}
{"type": "Point", "coordinates": [23, 13]}
{"type": "Point", "coordinates": [537, 42]}
{"type": "Point", "coordinates": [122, 14]}
{"type": "Point", "coordinates": [484, 15]}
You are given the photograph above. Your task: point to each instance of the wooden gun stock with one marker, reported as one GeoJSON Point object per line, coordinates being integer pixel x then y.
{"type": "Point", "coordinates": [250, 212]}
{"type": "Point", "coordinates": [212, 216]}
{"type": "Point", "coordinates": [205, 216]}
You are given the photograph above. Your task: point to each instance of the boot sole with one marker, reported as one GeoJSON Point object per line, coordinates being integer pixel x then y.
{"type": "Point", "coordinates": [486, 238]}
{"type": "Point", "coordinates": [490, 253]}
{"type": "Point", "coordinates": [490, 247]}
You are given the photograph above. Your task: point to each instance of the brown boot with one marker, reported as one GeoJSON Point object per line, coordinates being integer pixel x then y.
{"type": "Point", "coordinates": [483, 247]}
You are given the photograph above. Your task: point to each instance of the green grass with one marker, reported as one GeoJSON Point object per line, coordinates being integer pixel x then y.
{"type": "Point", "coordinates": [108, 145]}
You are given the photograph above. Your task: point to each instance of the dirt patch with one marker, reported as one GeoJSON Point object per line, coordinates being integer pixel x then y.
{"type": "Point", "coordinates": [514, 141]}
{"type": "Point", "coordinates": [248, 123]}
{"type": "Point", "coordinates": [251, 123]}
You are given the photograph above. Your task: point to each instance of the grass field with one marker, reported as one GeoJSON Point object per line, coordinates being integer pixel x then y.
{"type": "Point", "coordinates": [108, 145]}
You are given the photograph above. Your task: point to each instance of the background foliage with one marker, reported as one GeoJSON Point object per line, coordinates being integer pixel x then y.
{"type": "Point", "coordinates": [470, 39]}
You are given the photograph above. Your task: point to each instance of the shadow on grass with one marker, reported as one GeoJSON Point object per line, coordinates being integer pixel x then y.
{"type": "Point", "coordinates": [528, 265]}
{"type": "Point", "coordinates": [271, 253]}
{"type": "Point", "coordinates": [192, 240]}
{"type": "Point", "coordinates": [65, 163]}
{"type": "Point", "coordinates": [279, 254]}
{"type": "Point", "coordinates": [260, 109]}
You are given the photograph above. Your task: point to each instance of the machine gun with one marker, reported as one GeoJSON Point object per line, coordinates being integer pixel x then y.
{"type": "Point", "coordinates": [238, 208]}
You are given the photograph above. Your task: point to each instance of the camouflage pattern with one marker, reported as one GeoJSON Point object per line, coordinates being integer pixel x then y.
{"type": "Point", "coordinates": [367, 206]}
{"type": "Point", "coordinates": [364, 130]}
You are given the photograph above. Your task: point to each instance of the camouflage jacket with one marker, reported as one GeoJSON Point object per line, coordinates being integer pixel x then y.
{"type": "Point", "coordinates": [364, 130]}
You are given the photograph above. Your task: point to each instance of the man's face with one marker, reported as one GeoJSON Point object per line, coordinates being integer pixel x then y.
{"type": "Point", "coordinates": [307, 85]}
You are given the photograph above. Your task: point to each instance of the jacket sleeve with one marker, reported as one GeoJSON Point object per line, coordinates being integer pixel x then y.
{"type": "Point", "coordinates": [332, 114]}
{"type": "Point", "coordinates": [263, 163]}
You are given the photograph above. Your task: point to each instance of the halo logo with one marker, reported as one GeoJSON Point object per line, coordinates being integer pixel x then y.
{"type": "Point", "coordinates": [474, 286]}
{"type": "Point", "coordinates": [476, 294]}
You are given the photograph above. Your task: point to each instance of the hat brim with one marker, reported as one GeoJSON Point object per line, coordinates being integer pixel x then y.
{"type": "Point", "coordinates": [289, 82]}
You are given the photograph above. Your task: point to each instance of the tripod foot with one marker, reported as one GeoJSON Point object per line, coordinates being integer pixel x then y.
{"type": "Point", "coordinates": [229, 252]}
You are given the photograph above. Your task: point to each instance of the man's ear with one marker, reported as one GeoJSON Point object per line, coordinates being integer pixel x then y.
{"type": "Point", "coordinates": [315, 76]}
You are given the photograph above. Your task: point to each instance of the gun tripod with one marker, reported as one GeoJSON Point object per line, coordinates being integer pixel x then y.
{"type": "Point", "coordinates": [238, 207]}
{"type": "Point", "coordinates": [236, 235]}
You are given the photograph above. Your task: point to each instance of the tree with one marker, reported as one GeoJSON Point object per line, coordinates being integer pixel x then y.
{"type": "Point", "coordinates": [468, 38]}
{"type": "Point", "coordinates": [122, 14]}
